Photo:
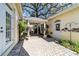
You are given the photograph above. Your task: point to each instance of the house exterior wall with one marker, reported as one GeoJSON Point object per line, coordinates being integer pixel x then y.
{"type": "Point", "coordinates": [5, 48]}
{"type": "Point", "coordinates": [65, 18]}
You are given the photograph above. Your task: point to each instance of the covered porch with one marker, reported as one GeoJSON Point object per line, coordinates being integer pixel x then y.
{"type": "Point", "coordinates": [36, 26]}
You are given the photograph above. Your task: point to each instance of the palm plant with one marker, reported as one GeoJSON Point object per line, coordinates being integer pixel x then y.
{"type": "Point", "coordinates": [22, 27]}
{"type": "Point", "coordinates": [42, 10]}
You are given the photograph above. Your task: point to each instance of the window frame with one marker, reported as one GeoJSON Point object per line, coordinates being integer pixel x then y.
{"type": "Point", "coordinates": [57, 26]}
{"type": "Point", "coordinates": [8, 27]}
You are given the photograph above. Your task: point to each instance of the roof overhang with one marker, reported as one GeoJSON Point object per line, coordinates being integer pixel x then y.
{"type": "Point", "coordinates": [64, 11]}
{"type": "Point", "coordinates": [19, 9]}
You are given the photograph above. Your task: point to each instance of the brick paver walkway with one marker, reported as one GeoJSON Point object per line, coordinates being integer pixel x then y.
{"type": "Point", "coordinates": [37, 46]}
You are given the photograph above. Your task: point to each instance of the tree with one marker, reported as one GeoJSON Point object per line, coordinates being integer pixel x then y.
{"type": "Point", "coordinates": [42, 10]}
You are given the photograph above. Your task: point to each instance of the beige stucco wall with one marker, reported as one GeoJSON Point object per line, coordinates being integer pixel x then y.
{"type": "Point", "coordinates": [67, 17]}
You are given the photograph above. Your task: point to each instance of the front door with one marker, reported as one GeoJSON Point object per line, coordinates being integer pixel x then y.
{"type": "Point", "coordinates": [2, 27]}
{"type": "Point", "coordinates": [1, 35]}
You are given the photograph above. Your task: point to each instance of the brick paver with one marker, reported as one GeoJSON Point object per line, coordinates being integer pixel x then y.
{"type": "Point", "coordinates": [37, 46]}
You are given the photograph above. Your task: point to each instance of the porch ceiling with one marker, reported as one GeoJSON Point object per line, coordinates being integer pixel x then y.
{"type": "Point", "coordinates": [36, 20]}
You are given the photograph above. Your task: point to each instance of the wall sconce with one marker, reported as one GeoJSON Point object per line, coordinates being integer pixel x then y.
{"type": "Point", "coordinates": [64, 29]}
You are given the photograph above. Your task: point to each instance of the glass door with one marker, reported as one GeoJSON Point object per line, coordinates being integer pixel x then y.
{"type": "Point", "coordinates": [8, 27]}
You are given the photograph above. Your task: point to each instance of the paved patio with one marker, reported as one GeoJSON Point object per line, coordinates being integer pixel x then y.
{"type": "Point", "coordinates": [37, 46]}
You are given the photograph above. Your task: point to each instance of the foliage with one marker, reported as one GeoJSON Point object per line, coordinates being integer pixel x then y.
{"type": "Point", "coordinates": [65, 43]}
{"type": "Point", "coordinates": [71, 45]}
{"type": "Point", "coordinates": [22, 26]}
{"type": "Point", "coordinates": [36, 9]}
{"type": "Point", "coordinates": [75, 47]}
{"type": "Point", "coordinates": [42, 10]}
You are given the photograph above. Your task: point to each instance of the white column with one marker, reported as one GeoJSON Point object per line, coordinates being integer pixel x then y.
{"type": "Point", "coordinates": [37, 29]}
{"type": "Point", "coordinates": [28, 34]}
{"type": "Point", "coordinates": [40, 28]}
{"type": "Point", "coordinates": [44, 30]}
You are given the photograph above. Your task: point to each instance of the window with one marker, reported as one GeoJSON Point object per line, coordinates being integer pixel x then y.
{"type": "Point", "coordinates": [8, 27]}
{"type": "Point", "coordinates": [58, 27]}
{"type": "Point", "coordinates": [57, 22]}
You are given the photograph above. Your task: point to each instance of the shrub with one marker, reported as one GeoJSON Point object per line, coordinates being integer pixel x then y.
{"type": "Point", "coordinates": [22, 26]}
{"type": "Point", "coordinates": [65, 43]}
{"type": "Point", "coordinates": [75, 47]}
{"type": "Point", "coordinates": [71, 45]}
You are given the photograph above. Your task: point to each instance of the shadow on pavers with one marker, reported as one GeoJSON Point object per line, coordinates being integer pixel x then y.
{"type": "Point", "coordinates": [18, 50]}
